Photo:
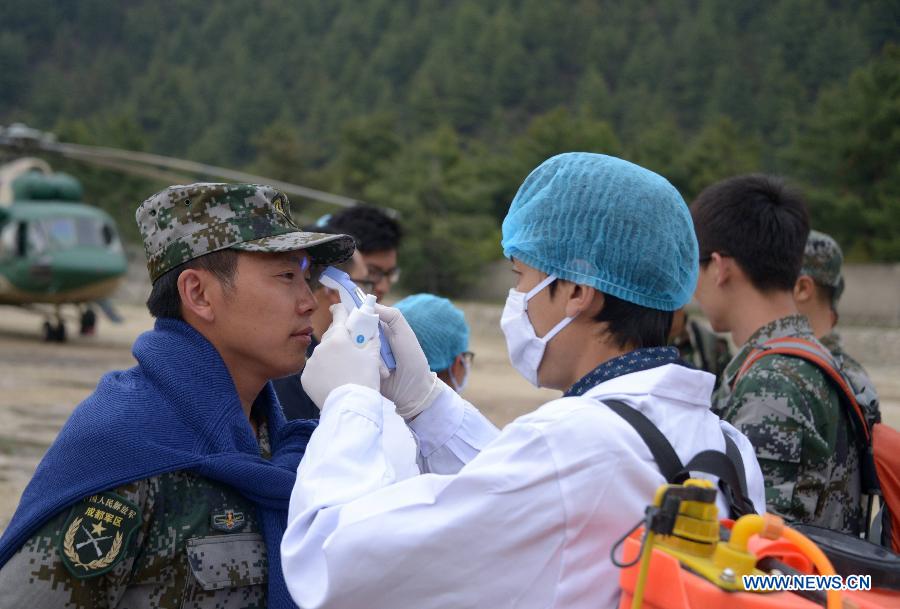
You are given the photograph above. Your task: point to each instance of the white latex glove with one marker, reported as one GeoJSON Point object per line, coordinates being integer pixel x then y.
{"type": "Point", "coordinates": [338, 361]}
{"type": "Point", "coordinates": [412, 386]}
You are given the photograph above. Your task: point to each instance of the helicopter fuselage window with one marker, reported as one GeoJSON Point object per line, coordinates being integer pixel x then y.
{"type": "Point", "coordinates": [9, 246]}
{"type": "Point", "coordinates": [107, 235]}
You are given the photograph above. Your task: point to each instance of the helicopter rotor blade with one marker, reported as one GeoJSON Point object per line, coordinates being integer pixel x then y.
{"type": "Point", "coordinates": [22, 139]}
{"type": "Point", "coordinates": [161, 175]}
{"type": "Point", "coordinates": [96, 153]}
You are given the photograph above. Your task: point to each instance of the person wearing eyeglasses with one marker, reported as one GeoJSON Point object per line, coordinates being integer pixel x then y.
{"type": "Point", "coordinates": [294, 401]}
{"type": "Point", "coordinates": [443, 334]}
{"type": "Point", "coordinates": [377, 239]}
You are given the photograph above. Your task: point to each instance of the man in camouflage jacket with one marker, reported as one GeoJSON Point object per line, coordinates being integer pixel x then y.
{"type": "Point", "coordinates": [752, 231]}
{"type": "Point", "coordinates": [817, 292]}
{"type": "Point", "coordinates": [168, 487]}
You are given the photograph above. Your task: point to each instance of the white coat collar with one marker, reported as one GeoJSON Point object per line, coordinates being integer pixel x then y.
{"type": "Point", "coordinates": [672, 381]}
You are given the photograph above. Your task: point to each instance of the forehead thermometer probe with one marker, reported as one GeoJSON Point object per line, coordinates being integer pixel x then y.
{"type": "Point", "coordinates": [353, 298]}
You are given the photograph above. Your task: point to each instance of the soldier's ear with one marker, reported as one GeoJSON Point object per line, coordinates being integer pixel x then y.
{"type": "Point", "coordinates": [804, 289]}
{"type": "Point", "coordinates": [194, 287]}
{"type": "Point", "coordinates": [723, 268]}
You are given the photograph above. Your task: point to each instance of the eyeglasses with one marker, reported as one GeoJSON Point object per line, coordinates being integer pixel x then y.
{"type": "Point", "coordinates": [366, 285]}
{"type": "Point", "coordinates": [376, 274]}
{"type": "Point", "coordinates": [315, 274]}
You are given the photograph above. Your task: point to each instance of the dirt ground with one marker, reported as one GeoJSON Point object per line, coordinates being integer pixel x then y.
{"type": "Point", "coordinates": [40, 383]}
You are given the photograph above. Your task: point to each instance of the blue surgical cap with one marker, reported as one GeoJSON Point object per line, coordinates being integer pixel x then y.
{"type": "Point", "coordinates": [607, 223]}
{"type": "Point", "coordinates": [440, 327]}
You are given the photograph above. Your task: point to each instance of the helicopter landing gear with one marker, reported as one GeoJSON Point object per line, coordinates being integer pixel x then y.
{"type": "Point", "coordinates": [55, 333]}
{"type": "Point", "coordinates": [88, 322]}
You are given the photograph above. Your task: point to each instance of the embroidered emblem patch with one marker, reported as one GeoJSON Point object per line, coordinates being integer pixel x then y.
{"type": "Point", "coordinates": [282, 206]}
{"type": "Point", "coordinates": [228, 521]}
{"type": "Point", "coordinates": [96, 534]}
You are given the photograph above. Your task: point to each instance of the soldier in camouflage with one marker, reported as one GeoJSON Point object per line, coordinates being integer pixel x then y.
{"type": "Point", "coordinates": [751, 232]}
{"type": "Point", "coordinates": [817, 293]}
{"type": "Point", "coordinates": [162, 525]}
{"type": "Point", "coordinates": [698, 345]}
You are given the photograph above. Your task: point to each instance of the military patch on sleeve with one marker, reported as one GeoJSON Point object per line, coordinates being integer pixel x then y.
{"type": "Point", "coordinates": [97, 533]}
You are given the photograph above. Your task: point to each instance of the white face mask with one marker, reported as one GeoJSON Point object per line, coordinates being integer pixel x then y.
{"type": "Point", "coordinates": [526, 350]}
{"type": "Point", "coordinates": [461, 386]}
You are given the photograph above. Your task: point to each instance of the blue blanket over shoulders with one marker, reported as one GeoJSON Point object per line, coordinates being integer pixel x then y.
{"type": "Point", "coordinates": [178, 409]}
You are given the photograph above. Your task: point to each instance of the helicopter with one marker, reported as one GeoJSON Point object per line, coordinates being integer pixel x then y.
{"type": "Point", "coordinates": [56, 250]}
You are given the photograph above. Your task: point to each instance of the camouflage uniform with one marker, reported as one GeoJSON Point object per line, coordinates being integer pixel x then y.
{"type": "Point", "coordinates": [859, 379]}
{"type": "Point", "coordinates": [822, 260]}
{"type": "Point", "coordinates": [794, 418]}
{"type": "Point", "coordinates": [703, 348]}
{"type": "Point", "coordinates": [196, 545]}
{"type": "Point", "coordinates": [176, 539]}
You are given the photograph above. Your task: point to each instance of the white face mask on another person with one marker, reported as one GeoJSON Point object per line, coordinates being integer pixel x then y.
{"type": "Point", "coordinates": [526, 349]}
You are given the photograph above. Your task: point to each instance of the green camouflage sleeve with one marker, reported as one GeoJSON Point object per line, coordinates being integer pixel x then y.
{"type": "Point", "coordinates": [173, 541]}
{"type": "Point", "coordinates": [864, 388]}
{"type": "Point", "coordinates": [786, 409]}
{"type": "Point", "coordinates": [82, 557]}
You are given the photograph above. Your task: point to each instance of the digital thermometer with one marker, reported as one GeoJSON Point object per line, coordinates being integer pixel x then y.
{"type": "Point", "coordinates": [353, 298]}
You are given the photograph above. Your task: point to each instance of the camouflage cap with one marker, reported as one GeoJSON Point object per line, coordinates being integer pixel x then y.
{"type": "Point", "coordinates": [822, 261]}
{"type": "Point", "coordinates": [181, 223]}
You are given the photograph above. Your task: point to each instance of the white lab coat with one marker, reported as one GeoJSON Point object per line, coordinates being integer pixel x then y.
{"type": "Point", "coordinates": [521, 518]}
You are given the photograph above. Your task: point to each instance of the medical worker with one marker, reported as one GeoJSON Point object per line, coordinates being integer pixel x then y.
{"type": "Point", "coordinates": [442, 332]}
{"type": "Point", "coordinates": [602, 252]}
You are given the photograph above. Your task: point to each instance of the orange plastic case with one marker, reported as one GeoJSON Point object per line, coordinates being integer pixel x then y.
{"type": "Point", "coordinates": [670, 586]}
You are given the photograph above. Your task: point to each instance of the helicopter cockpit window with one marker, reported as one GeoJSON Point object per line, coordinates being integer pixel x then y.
{"type": "Point", "coordinates": [35, 238]}
{"type": "Point", "coordinates": [61, 231]}
{"type": "Point", "coordinates": [71, 232]}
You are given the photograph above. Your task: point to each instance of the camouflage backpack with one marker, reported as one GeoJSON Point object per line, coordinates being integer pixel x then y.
{"type": "Point", "coordinates": [879, 444]}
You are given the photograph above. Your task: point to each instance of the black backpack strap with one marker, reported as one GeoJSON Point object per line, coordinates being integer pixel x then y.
{"type": "Point", "coordinates": [666, 458]}
{"type": "Point", "coordinates": [728, 467]}
{"type": "Point", "coordinates": [726, 470]}
{"type": "Point", "coordinates": [734, 455]}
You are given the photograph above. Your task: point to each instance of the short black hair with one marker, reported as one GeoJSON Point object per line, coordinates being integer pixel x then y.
{"type": "Point", "coordinates": [760, 222]}
{"type": "Point", "coordinates": [373, 230]}
{"type": "Point", "coordinates": [631, 325]}
{"type": "Point", "coordinates": [165, 301]}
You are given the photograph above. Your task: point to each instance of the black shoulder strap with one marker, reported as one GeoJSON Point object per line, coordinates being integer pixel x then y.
{"type": "Point", "coordinates": [734, 455]}
{"type": "Point", "coordinates": [666, 458]}
{"type": "Point", "coordinates": [732, 484]}
{"type": "Point", "coordinates": [728, 467]}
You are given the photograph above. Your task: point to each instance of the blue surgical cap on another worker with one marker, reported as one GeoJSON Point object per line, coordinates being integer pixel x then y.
{"type": "Point", "coordinates": [440, 327]}
{"type": "Point", "coordinates": [607, 223]}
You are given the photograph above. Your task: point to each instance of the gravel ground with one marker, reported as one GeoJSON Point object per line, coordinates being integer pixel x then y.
{"type": "Point", "coordinates": [40, 383]}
